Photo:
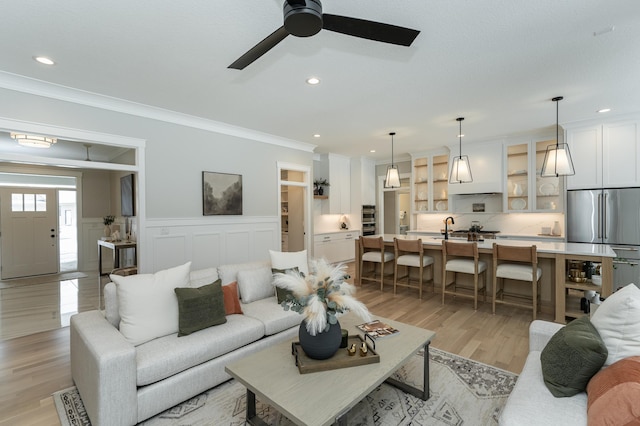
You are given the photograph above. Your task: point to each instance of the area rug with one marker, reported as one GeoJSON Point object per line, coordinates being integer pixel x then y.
{"type": "Point", "coordinates": [463, 392]}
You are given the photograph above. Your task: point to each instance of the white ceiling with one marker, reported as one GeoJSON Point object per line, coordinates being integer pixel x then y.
{"type": "Point", "coordinates": [498, 63]}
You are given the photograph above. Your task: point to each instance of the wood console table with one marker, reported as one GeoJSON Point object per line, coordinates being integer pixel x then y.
{"type": "Point", "coordinates": [116, 246]}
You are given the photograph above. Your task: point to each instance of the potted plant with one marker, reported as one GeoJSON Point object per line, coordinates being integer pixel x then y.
{"type": "Point", "coordinates": [320, 297]}
{"type": "Point", "coordinates": [107, 221]}
{"type": "Point", "coordinates": [318, 185]}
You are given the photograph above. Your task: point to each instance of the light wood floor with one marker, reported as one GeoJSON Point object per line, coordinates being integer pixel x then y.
{"type": "Point", "coordinates": [34, 366]}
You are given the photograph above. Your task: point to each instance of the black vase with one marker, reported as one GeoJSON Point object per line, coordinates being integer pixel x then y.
{"type": "Point", "coordinates": [322, 345]}
{"type": "Point", "coordinates": [320, 191]}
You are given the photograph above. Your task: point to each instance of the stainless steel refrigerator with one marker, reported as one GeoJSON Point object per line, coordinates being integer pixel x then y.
{"type": "Point", "coordinates": [608, 216]}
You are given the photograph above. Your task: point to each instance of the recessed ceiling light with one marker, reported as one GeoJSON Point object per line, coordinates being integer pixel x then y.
{"type": "Point", "coordinates": [43, 60]}
{"type": "Point", "coordinates": [604, 110]}
{"type": "Point", "coordinates": [317, 135]}
{"type": "Point", "coordinates": [313, 80]}
{"type": "Point", "coordinates": [373, 150]}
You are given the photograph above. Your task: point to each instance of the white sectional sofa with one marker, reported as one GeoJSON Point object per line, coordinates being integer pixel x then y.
{"type": "Point", "coordinates": [124, 384]}
{"type": "Point", "coordinates": [612, 390]}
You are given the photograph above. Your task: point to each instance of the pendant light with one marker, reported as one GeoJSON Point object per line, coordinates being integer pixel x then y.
{"type": "Point", "coordinates": [393, 178]}
{"type": "Point", "coordinates": [460, 168]}
{"type": "Point", "coordinates": [557, 159]}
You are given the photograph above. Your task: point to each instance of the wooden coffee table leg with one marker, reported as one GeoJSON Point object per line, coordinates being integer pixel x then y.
{"type": "Point", "coordinates": [252, 417]}
{"type": "Point", "coordinates": [418, 393]}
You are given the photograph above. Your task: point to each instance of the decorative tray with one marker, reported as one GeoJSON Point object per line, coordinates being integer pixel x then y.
{"type": "Point", "coordinates": [341, 359]}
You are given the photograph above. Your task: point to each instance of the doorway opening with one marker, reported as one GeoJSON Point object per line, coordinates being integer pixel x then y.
{"type": "Point", "coordinates": [294, 207]}
{"type": "Point", "coordinates": [68, 230]}
{"type": "Point", "coordinates": [395, 206]}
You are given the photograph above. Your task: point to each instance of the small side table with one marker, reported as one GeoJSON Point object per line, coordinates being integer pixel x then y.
{"type": "Point", "coordinates": [116, 246]}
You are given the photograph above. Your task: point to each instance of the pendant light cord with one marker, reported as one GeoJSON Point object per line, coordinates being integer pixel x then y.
{"type": "Point", "coordinates": [392, 134]}
{"type": "Point", "coordinates": [557, 99]}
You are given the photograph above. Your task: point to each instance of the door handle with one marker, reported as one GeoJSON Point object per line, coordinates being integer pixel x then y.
{"type": "Point", "coordinates": [624, 248]}
{"type": "Point", "coordinates": [618, 262]}
{"type": "Point", "coordinates": [604, 213]}
{"type": "Point", "coordinates": [599, 214]}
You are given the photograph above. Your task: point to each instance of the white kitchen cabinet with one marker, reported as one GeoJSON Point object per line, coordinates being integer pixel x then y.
{"type": "Point", "coordinates": [485, 160]}
{"type": "Point", "coordinates": [337, 170]}
{"type": "Point", "coordinates": [430, 178]}
{"type": "Point", "coordinates": [605, 155]}
{"type": "Point", "coordinates": [335, 246]}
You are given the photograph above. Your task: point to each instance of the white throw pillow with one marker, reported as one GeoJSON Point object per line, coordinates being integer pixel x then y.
{"type": "Point", "coordinates": [617, 320]}
{"type": "Point", "coordinates": [255, 284]}
{"type": "Point", "coordinates": [287, 260]}
{"type": "Point", "coordinates": [147, 303]}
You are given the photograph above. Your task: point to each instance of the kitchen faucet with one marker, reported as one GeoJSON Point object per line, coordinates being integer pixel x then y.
{"type": "Point", "coordinates": [446, 226]}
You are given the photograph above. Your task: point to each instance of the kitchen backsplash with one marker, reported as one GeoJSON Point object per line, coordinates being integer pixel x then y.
{"type": "Point", "coordinates": [509, 224]}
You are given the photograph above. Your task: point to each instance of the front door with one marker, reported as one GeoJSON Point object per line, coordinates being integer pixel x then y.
{"type": "Point", "coordinates": [29, 232]}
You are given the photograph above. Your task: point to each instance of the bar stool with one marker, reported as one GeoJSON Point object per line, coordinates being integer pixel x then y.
{"type": "Point", "coordinates": [410, 253]}
{"type": "Point", "coordinates": [521, 265]}
{"type": "Point", "coordinates": [372, 250]}
{"type": "Point", "coordinates": [466, 261]}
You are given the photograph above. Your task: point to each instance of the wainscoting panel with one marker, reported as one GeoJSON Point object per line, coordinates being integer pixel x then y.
{"type": "Point", "coordinates": [169, 251]}
{"type": "Point", "coordinates": [207, 242]}
{"type": "Point", "coordinates": [207, 249]}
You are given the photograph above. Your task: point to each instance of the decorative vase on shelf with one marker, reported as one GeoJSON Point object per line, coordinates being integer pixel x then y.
{"type": "Point", "coordinates": [517, 190]}
{"type": "Point", "coordinates": [323, 345]}
{"type": "Point", "coordinates": [320, 191]}
{"type": "Point", "coordinates": [107, 231]}
{"type": "Point", "coordinates": [556, 228]}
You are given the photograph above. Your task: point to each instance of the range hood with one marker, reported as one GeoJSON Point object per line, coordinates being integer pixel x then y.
{"type": "Point", "coordinates": [486, 167]}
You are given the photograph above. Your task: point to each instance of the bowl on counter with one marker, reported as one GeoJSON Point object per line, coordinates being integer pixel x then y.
{"type": "Point", "coordinates": [596, 279]}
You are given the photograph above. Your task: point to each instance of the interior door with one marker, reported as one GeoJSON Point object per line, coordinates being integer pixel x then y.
{"type": "Point", "coordinates": [29, 232]}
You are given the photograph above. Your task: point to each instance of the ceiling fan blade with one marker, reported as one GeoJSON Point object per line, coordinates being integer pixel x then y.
{"type": "Point", "coordinates": [368, 29]}
{"type": "Point", "coordinates": [260, 49]}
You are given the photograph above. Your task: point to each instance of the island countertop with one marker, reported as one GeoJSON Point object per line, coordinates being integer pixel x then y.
{"type": "Point", "coordinates": [580, 249]}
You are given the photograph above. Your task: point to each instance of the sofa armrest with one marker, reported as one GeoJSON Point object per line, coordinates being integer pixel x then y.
{"type": "Point", "coordinates": [540, 332]}
{"type": "Point", "coordinates": [103, 367]}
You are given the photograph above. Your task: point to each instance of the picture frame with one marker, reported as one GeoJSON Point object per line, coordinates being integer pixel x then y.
{"type": "Point", "coordinates": [221, 194]}
{"type": "Point", "coordinates": [127, 196]}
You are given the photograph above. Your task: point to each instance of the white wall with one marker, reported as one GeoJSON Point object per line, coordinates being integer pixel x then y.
{"type": "Point", "coordinates": [175, 157]}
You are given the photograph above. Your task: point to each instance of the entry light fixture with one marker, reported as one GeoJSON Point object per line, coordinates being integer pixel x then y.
{"type": "Point", "coordinates": [557, 159]}
{"type": "Point", "coordinates": [460, 168]}
{"type": "Point", "coordinates": [33, 141]}
{"type": "Point", "coordinates": [393, 178]}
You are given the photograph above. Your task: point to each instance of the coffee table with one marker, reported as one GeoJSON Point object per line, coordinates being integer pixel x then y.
{"type": "Point", "coordinates": [324, 398]}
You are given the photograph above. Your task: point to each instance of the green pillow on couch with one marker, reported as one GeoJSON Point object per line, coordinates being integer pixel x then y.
{"type": "Point", "coordinates": [200, 308]}
{"type": "Point", "coordinates": [572, 356]}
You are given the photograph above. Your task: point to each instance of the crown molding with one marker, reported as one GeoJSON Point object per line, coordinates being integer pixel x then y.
{"type": "Point", "coordinates": [37, 87]}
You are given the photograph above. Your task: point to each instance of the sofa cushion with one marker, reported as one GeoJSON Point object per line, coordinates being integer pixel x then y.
{"type": "Point", "coordinates": [272, 315]}
{"type": "Point", "coordinates": [229, 273]}
{"type": "Point", "coordinates": [281, 293]}
{"type": "Point", "coordinates": [617, 319]}
{"type": "Point", "coordinates": [255, 284]}
{"type": "Point", "coordinates": [111, 304]}
{"type": "Point", "coordinates": [614, 394]}
{"type": "Point", "coordinates": [147, 304]}
{"type": "Point", "coordinates": [572, 356]}
{"type": "Point", "coordinates": [169, 355]}
{"type": "Point", "coordinates": [286, 260]}
{"type": "Point", "coordinates": [202, 277]}
{"type": "Point", "coordinates": [231, 302]}
{"type": "Point", "coordinates": [200, 308]}
{"type": "Point", "coordinates": [531, 403]}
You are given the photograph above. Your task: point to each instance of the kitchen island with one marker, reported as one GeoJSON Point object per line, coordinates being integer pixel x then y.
{"type": "Point", "coordinates": [558, 292]}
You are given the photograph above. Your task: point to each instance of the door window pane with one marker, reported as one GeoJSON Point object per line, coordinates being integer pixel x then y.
{"type": "Point", "coordinates": [16, 202]}
{"type": "Point", "coordinates": [41, 202]}
{"type": "Point", "coordinates": [29, 202]}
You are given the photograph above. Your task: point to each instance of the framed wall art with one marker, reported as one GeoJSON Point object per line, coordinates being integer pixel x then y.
{"type": "Point", "coordinates": [221, 194]}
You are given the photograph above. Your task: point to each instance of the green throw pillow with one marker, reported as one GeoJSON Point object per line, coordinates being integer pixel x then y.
{"type": "Point", "coordinates": [199, 308]}
{"type": "Point", "coordinates": [572, 356]}
{"type": "Point", "coordinates": [281, 293]}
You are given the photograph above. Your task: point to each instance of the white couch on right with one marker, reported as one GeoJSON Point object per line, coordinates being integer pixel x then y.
{"type": "Point", "coordinates": [617, 321]}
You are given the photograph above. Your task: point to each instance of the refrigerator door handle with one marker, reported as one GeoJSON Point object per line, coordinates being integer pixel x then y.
{"type": "Point", "coordinates": [604, 214]}
{"type": "Point", "coordinates": [618, 262]}
{"type": "Point", "coordinates": [599, 212]}
{"type": "Point", "coordinates": [615, 248]}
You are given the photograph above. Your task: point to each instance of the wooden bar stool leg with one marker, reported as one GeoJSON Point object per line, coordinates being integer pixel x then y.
{"type": "Point", "coordinates": [420, 281]}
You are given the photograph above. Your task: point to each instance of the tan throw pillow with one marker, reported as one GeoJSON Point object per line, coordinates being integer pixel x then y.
{"type": "Point", "coordinates": [614, 394]}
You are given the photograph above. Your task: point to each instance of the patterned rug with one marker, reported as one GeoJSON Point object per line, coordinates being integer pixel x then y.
{"type": "Point", "coordinates": [463, 392]}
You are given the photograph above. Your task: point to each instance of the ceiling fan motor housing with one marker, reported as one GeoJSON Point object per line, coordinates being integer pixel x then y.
{"type": "Point", "coordinates": [302, 18]}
